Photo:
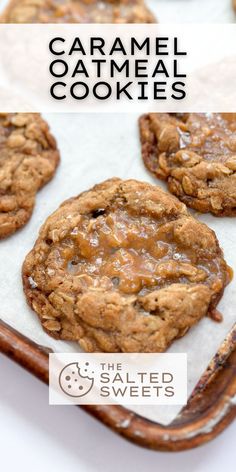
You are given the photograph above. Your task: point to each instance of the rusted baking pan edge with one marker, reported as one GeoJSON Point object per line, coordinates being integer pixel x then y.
{"type": "Point", "coordinates": [209, 410]}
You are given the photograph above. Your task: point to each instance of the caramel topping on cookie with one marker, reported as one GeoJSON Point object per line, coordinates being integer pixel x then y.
{"type": "Point", "coordinates": [123, 267]}
{"type": "Point", "coordinates": [196, 154]}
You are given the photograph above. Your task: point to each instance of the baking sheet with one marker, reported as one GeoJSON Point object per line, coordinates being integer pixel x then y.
{"type": "Point", "coordinates": [94, 148]}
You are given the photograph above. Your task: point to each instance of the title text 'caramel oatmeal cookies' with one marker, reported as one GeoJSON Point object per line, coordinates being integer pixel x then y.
{"type": "Point", "coordinates": [77, 11]}
{"type": "Point", "coordinates": [196, 154]}
{"type": "Point", "coordinates": [123, 267]}
{"type": "Point", "coordinates": [28, 160]}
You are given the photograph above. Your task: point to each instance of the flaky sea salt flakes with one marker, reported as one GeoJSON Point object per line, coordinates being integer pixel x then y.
{"type": "Point", "coordinates": [32, 283]}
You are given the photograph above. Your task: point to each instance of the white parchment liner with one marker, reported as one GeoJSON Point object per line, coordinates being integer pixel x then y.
{"type": "Point", "coordinates": [94, 148]}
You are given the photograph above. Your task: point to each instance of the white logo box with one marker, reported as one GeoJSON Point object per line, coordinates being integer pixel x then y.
{"type": "Point", "coordinates": [128, 379]}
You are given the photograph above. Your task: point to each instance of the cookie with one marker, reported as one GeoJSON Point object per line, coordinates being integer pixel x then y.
{"type": "Point", "coordinates": [28, 160]}
{"type": "Point", "coordinates": [123, 267]}
{"type": "Point", "coordinates": [196, 154]}
{"type": "Point", "coordinates": [77, 11]}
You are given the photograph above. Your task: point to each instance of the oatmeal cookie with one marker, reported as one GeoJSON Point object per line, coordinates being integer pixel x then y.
{"type": "Point", "coordinates": [77, 11]}
{"type": "Point", "coordinates": [196, 154]}
{"type": "Point", "coordinates": [28, 160]}
{"type": "Point", "coordinates": [123, 267]}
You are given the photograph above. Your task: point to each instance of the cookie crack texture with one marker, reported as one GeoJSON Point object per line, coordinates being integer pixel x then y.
{"type": "Point", "coordinates": [196, 154]}
{"type": "Point", "coordinates": [132, 279]}
{"type": "Point", "coordinates": [28, 160]}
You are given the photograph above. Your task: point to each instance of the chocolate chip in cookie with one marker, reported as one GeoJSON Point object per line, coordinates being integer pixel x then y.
{"type": "Point", "coordinates": [196, 154]}
{"type": "Point", "coordinates": [28, 160]}
{"type": "Point", "coordinates": [77, 11]}
{"type": "Point", "coordinates": [123, 267]}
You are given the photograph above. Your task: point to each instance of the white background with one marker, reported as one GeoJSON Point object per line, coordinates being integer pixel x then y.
{"type": "Point", "coordinates": [38, 437]}
{"type": "Point", "coordinates": [210, 68]}
{"type": "Point", "coordinates": [35, 437]}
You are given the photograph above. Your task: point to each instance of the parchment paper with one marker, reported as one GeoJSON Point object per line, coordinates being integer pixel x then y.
{"type": "Point", "coordinates": [96, 147]}
{"type": "Point", "coordinates": [93, 148]}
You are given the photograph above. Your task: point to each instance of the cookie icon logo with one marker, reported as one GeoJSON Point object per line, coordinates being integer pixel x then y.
{"type": "Point", "coordinates": [76, 380]}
